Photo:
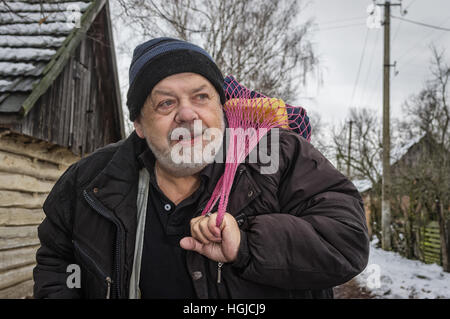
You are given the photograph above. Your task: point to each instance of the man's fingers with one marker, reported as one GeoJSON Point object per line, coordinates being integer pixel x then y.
{"type": "Point", "coordinates": [197, 233]}
{"type": "Point", "coordinates": [205, 229]}
{"type": "Point", "coordinates": [215, 231]}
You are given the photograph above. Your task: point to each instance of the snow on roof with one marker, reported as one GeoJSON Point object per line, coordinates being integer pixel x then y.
{"type": "Point", "coordinates": [391, 276]}
{"type": "Point", "coordinates": [12, 69]}
{"type": "Point", "coordinates": [24, 6]}
{"type": "Point", "coordinates": [18, 85]}
{"type": "Point", "coordinates": [31, 32]}
{"type": "Point", "coordinates": [7, 68]}
{"type": "Point", "coordinates": [399, 152]}
{"type": "Point", "coordinates": [36, 17]}
{"type": "Point", "coordinates": [26, 54]}
{"type": "Point", "coordinates": [4, 83]}
{"type": "Point", "coordinates": [362, 185]}
{"type": "Point", "coordinates": [13, 41]}
{"type": "Point", "coordinates": [54, 28]}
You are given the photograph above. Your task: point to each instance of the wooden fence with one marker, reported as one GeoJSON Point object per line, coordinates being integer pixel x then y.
{"type": "Point", "coordinates": [430, 245]}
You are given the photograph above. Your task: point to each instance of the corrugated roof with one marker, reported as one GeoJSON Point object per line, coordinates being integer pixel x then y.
{"type": "Point", "coordinates": [31, 33]}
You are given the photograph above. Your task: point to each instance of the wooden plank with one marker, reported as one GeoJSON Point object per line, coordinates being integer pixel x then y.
{"type": "Point", "coordinates": [430, 254]}
{"type": "Point", "coordinates": [38, 149]}
{"type": "Point", "coordinates": [432, 240]}
{"type": "Point", "coordinates": [18, 242]}
{"type": "Point", "coordinates": [15, 258]}
{"type": "Point", "coordinates": [18, 236]}
{"type": "Point", "coordinates": [433, 235]}
{"type": "Point", "coordinates": [7, 232]}
{"type": "Point", "coordinates": [24, 183]}
{"type": "Point", "coordinates": [432, 261]}
{"type": "Point", "coordinates": [21, 290]}
{"type": "Point", "coordinates": [14, 216]}
{"type": "Point", "coordinates": [15, 276]}
{"type": "Point", "coordinates": [14, 163]}
{"type": "Point", "coordinates": [24, 200]}
{"type": "Point", "coordinates": [435, 247]}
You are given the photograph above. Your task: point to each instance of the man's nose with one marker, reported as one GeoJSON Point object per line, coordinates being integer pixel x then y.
{"type": "Point", "coordinates": [186, 113]}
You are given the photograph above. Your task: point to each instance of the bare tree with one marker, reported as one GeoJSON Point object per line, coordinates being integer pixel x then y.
{"type": "Point", "coordinates": [428, 111]}
{"type": "Point", "coordinates": [260, 42]}
{"type": "Point", "coordinates": [366, 144]}
{"type": "Point", "coordinates": [320, 138]}
{"type": "Point", "coordinates": [365, 155]}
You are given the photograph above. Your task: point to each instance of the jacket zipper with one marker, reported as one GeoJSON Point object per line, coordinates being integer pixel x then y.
{"type": "Point", "coordinates": [98, 269]}
{"type": "Point", "coordinates": [219, 264]}
{"type": "Point", "coordinates": [99, 208]}
{"type": "Point", "coordinates": [108, 290]}
{"type": "Point", "coordinates": [219, 272]}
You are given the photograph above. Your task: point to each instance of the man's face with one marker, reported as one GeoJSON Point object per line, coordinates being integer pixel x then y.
{"type": "Point", "coordinates": [175, 104]}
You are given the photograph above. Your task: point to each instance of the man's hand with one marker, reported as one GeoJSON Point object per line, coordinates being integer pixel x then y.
{"type": "Point", "coordinates": [220, 244]}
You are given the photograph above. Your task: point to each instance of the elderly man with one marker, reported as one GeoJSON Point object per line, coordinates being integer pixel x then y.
{"type": "Point", "coordinates": [127, 217]}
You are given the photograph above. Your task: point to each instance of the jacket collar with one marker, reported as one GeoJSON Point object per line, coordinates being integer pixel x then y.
{"type": "Point", "coordinates": [120, 175]}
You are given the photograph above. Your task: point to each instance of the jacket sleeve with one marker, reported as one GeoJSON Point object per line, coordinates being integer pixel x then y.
{"type": "Point", "coordinates": [319, 240]}
{"type": "Point", "coordinates": [56, 251]}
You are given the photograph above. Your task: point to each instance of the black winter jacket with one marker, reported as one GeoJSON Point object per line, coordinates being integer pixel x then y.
{"type": "Point", "coordinates": [303, 228]}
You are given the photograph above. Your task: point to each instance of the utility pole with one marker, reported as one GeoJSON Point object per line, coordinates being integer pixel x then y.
{"type": "Point", "coordinates": [386, 180]}
{"type": "Point", "coordinates": [349, 149]}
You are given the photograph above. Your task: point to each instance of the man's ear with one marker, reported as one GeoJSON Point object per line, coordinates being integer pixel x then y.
{"type": "Point", "coordinates": [138, 127]}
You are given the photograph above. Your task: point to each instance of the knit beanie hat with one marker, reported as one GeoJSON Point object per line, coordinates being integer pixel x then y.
{"type": "Point", "coordinates": [159, 58]}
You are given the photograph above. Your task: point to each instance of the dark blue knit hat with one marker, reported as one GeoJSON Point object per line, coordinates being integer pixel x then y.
{"type": "Point", "coordinates": [159, 58]}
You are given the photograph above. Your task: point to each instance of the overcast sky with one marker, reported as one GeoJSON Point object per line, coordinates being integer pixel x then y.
{"type": "Point", "coordinates": [339, 38]}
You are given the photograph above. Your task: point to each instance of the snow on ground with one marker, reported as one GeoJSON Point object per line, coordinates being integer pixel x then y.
{"type": "Point", "coordinates": [391, 276]}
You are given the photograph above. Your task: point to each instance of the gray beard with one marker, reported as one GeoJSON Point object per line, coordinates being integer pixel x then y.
{"type": "Point", "coordinates": [182, 169]}
{"type": "Point", "coordinates": [176, 169]}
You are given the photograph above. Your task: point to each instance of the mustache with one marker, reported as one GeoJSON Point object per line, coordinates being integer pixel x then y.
{"type": "Point", "coordinates": [187, 129]}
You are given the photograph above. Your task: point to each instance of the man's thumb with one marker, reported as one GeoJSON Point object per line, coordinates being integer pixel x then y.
{"type": "Point", "coordinates": [190, 243]}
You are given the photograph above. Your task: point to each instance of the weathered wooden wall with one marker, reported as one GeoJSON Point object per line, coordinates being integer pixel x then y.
{"type": "Point", "coordinates": [28, 171]}
{"type": "Point", "coordinates": [80, 110]}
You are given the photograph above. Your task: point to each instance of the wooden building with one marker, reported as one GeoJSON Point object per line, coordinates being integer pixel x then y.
{"type": "Point", "coordinates": [59, 100]}
{"type": "Point", "coordinates": [420, 225]}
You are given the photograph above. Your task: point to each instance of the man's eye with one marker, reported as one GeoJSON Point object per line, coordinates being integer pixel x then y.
{"type": "Point", "coordinates": [202, 96]}
{"type": "Point", "coordinates": [165, 104]}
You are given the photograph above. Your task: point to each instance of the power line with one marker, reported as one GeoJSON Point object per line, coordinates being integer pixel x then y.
{"type": "Point", "coordinates": [359, 67]}
{"type": "Point", "coordinates": [375, 45]}
{"type": "Point", "coordinates": [342, 26]}
{"type": "Point", "coordinates": [403, 12]}
{"type": "Point", "coordinates": [343, 20]}
{"type": "Point", "coordinates": [421, 23]}
{"type": "Point", "coordinates": [419, 42]}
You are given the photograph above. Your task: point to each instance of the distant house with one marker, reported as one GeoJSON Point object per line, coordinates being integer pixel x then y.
{"type": "Point", "coordinates": [59, 100]}
{"type": "Point", "coordinates": [417, 230]}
